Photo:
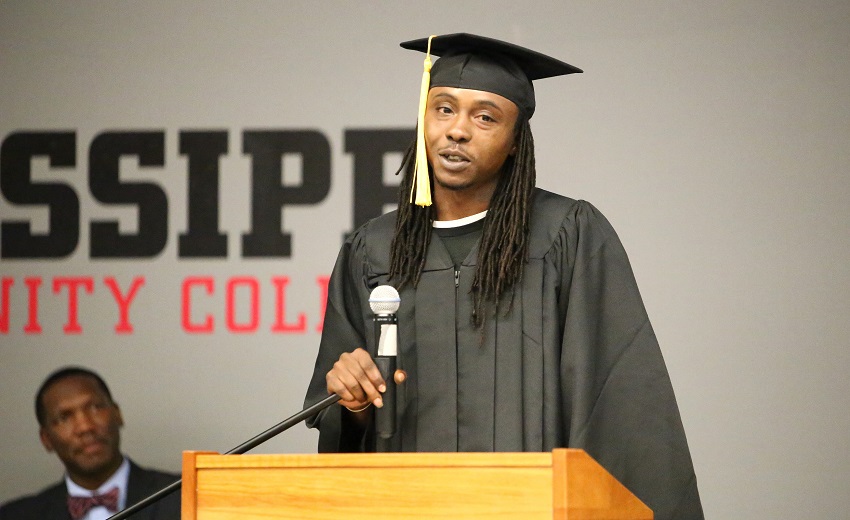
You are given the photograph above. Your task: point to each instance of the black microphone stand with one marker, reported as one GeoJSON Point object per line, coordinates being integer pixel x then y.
{"type": "Point", "coordinates": [238, 450]}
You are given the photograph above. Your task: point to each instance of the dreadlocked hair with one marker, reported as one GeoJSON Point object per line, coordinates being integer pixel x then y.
{"type": "Point", "coordinates": [412, 228]}
{"type": "Point", "coordinates": [503, 248]}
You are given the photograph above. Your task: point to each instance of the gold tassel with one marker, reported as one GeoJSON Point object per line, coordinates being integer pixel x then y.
{"type": "Point", "coordinates": [421, 183]}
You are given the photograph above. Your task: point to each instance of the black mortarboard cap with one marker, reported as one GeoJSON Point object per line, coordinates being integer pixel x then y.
{"type": "Point", "coordinates": [476, 62]}
{"type": "Point", "coordinates": [479, 63]}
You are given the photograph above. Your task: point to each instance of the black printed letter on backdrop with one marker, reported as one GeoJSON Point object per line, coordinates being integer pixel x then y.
{"type": "Point", "coordinates": [18, 240]}
{"type": "Point", "coordinates": [106, 150]}
{"type": "Point", "coordinates": [203, 238]}
{"type": "Point", "coordinates": [369, 148]}
{"type": "Point", "coordinates": [269, 195]}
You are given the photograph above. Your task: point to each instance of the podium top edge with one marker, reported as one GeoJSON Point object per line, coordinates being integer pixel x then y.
{"type": "Point", "coordinates": [371, 460]}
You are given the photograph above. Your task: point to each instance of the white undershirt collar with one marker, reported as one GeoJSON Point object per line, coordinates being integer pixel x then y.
{"type": "Point", "coordinates": [461, 221]}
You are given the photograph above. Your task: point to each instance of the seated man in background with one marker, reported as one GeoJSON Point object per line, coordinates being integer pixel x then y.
{"type": "Point", "coordinates": [81, 423]}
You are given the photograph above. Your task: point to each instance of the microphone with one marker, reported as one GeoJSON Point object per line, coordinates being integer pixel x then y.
{"type": "Point", "coordinates": [384, 302]}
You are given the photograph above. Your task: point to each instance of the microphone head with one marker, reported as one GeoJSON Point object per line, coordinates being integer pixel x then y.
{"type": "Point", "coordinates": [384, 299]}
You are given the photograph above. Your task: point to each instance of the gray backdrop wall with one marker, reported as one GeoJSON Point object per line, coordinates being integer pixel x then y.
{"type": "Point", "coordinates": [714, 135]}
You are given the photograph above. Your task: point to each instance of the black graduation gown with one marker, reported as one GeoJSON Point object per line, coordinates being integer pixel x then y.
{"type": "Point", "coordinates": [570, 360]}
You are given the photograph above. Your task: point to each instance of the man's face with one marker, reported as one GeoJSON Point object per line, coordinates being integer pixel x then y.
{"type": "Point", "coordinates": [469, 134]}
{"type": "Point", "coordinates": [82, 426]}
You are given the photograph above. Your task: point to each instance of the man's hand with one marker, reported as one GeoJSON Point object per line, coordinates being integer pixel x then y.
{"type": "Point", "coordinates": [357, 381]}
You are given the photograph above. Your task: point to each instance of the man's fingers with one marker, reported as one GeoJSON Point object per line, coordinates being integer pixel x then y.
{"type": "Point", "coordinates": [355, 378]}
{"type": "Point", "coordinates": [336, 386]}
{"type": "Point", "coordinates": [369, 377]}
{"type": "Point", "coordinates": [350, 379]}
{"type": "Point", "coordinates": [399, 376]}
{"type": "Point", "coordinates": [370, 369]}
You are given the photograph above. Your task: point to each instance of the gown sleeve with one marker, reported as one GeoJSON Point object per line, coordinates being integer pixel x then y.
{"type": "Point", "coordinates": [342, 331]}
{"type": "Point", "coordinates": [617, 396]}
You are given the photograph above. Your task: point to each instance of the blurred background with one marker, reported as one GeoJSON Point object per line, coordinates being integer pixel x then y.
{"type": "Point", "coordinates": [715, 136]}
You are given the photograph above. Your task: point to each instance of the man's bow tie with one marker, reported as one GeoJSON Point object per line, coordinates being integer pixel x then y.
{"type": "Point", "coordinates": [79, 506]}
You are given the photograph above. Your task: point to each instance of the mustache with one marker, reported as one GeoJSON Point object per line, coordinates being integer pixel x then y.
{"type": "Point", "coordinates": [91, 439]}
{"type": "Point", "coordinates": [456, 149]}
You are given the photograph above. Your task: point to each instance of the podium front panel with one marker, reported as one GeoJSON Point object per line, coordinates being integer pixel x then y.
{"type": "Point", "coordinates": [394, 485]}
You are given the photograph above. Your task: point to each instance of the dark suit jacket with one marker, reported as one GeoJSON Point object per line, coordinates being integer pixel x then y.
{"type": "Point", "coordinates": [51, 504]}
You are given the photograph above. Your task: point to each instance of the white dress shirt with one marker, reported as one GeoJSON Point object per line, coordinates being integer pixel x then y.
{"type": "Point", "coordinates": [118, 479]}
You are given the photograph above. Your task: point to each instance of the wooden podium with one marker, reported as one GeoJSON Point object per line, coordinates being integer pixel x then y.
{"type": "Point", "coordinates": [565, 484]}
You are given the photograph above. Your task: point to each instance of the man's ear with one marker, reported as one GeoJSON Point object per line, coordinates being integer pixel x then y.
{"type": "Point", "coordinates": [45, 440]}
{"type": "Point", "coordinates": [118, 414]}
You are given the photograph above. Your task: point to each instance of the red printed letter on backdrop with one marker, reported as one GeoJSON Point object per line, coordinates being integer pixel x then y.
{"type": "Point", "coordinates": [73, 282]}
{"type": "Point", "coordinates": [124, 326]}
{"type": "Point", "coordinates": [207, 283]}
{"type": "Point", "coordinates": [254, 309]}
{"type": "Point", "coordinates": [4, 305]}
{"type": "Point", "coordinates": [33, 326]}
{"type": "Point", "coordinates": [280, 325]}
{"type": "Point", "coordinates": [323, 299]}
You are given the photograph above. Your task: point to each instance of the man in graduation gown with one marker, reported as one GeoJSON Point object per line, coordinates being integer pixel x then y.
{"type": "Point", "coordinates": [521, 327]}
